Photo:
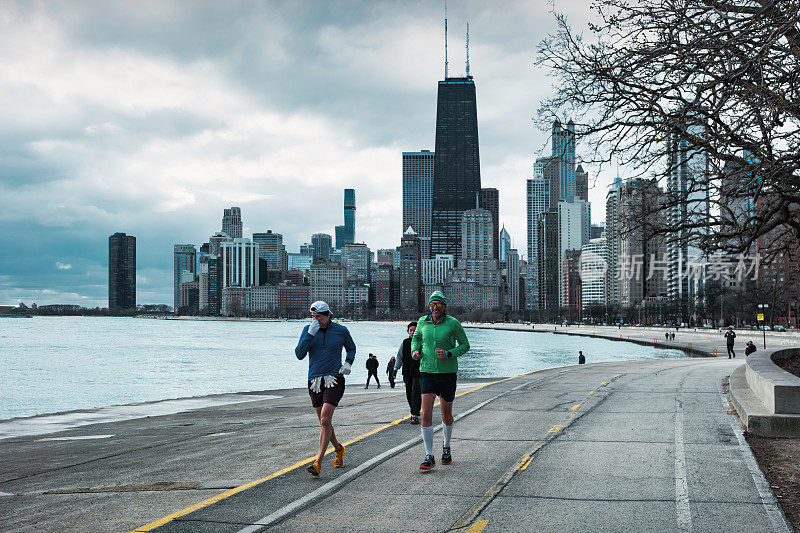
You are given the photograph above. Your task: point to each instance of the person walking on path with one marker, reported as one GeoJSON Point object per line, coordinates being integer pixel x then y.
{"type": "Point", "coordinates": [581, 358]}
{"type": "Point", "coordinates": [729, 337]}
{"type": "Point", "coordinates": [750, 348]}
{"type": "Point", "coordinates": [323, 341]}
{"type": "Point", "coordinates": [372, 370]}
{"type": "Point", "coordinates": [438, 342]}
{"type": "Point", "coordinates": [391, 371]}
{"type": "Point", "coordinates": [410, 368]}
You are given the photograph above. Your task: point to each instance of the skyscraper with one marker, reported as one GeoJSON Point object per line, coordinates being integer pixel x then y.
{"type": "Point", "coordinates": [418, 195]}
{"type": "Point", "coordinates": [121, 272]}
{"type": "Point", "coordinates": [581, 184]}
{"type": "Point", "coordinates": [456, 172]}
{"type": "Point", "coordinates": [239, 263]}
{"type": "Point", "coordinates": [505, 244]}
{"type": "Point", "coordinates": [490, 200]}
{"type": "Point", "coordinates": [538, 201]}
{"type": "Point", "coordinates": [410, 272]}
{"type": "Point", "coordinates": [184, 260]}
{"type": "Point", "coordinates": [271, 249]}
{"type": "Point", "coordinates": [232, 222]}
{"type": "Point", "coordinates": [563, 144]}
{"type": "Point", "coordinates": [346, 234]}
{"type": "Point", "coordinates": [612, 242]}
{"type": "Point", "coordinates": [687, 189]}
{"type": "Point", "coordinates": [573, 233]}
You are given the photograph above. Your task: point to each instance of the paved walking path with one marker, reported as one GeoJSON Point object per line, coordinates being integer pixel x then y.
{"type": "Point", "coordinates": [629, 446]}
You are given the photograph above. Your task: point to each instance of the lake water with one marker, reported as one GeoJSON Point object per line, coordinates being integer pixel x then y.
{"type": "Point", "coordinates": [53, 364]}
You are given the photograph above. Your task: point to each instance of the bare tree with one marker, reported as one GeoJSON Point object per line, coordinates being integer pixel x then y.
{"type": "Point", "coordinates": [659, 84]}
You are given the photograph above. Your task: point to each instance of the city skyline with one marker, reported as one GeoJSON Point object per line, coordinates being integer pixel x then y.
{"type": "Point", "coordinates": [185, 130]}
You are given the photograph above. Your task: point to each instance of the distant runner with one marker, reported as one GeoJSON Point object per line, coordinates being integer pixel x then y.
{"type": "Point", "coordinates": [410, 368]}
{"type": "Point", "coordinates": [729, 336]}
{"type": "Point", "coordinates": [437, 343]}
{"type": "Point", "coordinates": [323, 341]}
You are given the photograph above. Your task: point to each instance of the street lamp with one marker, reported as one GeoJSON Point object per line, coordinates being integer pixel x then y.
{"type": "Point", "coordinates": [760, 318]}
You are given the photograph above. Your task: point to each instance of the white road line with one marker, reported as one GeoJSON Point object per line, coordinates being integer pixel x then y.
{"type": "Point", "coordinates": [328, 488]}
{"type": "Point", "coordinates": [683, 509]}
{"type": "Point", "coordinates": [779, 522]}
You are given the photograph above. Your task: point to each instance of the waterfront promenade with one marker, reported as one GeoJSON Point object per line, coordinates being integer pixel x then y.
{"type": "Point", "coordinates": [629, 446]}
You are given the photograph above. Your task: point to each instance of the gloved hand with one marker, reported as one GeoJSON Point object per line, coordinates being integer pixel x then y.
{"type": "Point", "coordinates": [330, 381]}
{"type": "Point", "coordinates": [345, 370]}
{"type": "Point", "coordinates": [316, 385]}
{"type": "Point", "coordinates": [313, 328]}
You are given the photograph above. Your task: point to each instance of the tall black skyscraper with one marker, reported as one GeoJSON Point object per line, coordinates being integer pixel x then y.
{"type": "Point", "coordinates": [346, 234]}
{"type": "Point", "coordinates": [456, 165]}
{"type": "Point", "coordinates": [121, 272]}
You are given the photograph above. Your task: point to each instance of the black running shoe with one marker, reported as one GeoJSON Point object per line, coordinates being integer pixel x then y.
{"type": "Point", "coordinates": [446, 457]}
{"type": "Point", "coordinates": [428, 463]}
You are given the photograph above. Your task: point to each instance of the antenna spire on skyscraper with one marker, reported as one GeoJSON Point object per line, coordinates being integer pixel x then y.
{"type": "Point", "coordinates": [445, 39]}
{"type": "Point", "coordinates": [468, 49]}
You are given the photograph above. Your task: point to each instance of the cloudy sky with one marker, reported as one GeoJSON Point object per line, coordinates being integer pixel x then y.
{"type": "Point", "coordinates": [151, 117]}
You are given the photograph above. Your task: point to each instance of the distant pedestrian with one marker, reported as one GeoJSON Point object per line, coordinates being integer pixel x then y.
{"type": "Point", "coordinates": [581, 358]}
{"type": "Point", "coordinates": [326, 375]}
{"type": "Point", "coordinates": [666, 335]}
{"type": "Point", "coordinates": [410, 368]}
{"type": "Point", "coordinates": [729, 337]}
{"type": "Point", "coordinates": [750, 348]}
{"type": "Point", "coordinates": [391, 371]}
{"type": "Point", "coordinates": [372, 370]}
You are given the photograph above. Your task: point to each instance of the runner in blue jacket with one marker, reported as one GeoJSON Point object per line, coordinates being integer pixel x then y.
{"type": "Point", "coordinates": [323, 341]}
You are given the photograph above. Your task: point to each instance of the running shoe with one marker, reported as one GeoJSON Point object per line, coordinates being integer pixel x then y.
{"type": "Point", "coordinates": [338, 458]}
{"type": "Point", "coordinates": [446, 457]}
{"type": "Point", "coordinates": [415, 420]}
{"type": "Point", "coordinates": [428, 463]}
{"type": "Point", "coordinates": [314, 469]}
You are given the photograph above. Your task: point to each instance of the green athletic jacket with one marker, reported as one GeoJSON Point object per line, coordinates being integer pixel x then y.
{"type": "Point", "coordinates": [444, 335]}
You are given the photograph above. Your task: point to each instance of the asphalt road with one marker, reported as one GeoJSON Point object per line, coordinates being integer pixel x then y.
{"type": "Point", "coordinates": [633, 446]}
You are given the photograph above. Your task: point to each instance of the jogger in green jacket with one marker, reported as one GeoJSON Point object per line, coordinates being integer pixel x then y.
{"type": "Point", "coordinates": [438, 342]}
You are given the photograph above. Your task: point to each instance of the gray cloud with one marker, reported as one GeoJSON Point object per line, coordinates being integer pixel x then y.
{"type": "Point", "coordinates": [150, 118]}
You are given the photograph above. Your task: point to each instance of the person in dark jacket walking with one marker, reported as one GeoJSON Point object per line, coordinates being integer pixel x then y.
{"type": "Point", "coordinates": [372, 370]}
{"type": "Point", "coordinates": [391, 372]}
{"type": "Point", "coordinates": [410, 368]}
{"type": "Point", "coordinates": [581, 358]}
{"type": "Point", "coordinates": [750, 348]}
{"type": "Point", "coordinates": [729, 336]}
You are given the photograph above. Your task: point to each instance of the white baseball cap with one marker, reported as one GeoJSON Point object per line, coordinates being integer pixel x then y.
{"type": "Point", "coordinates": [320, 307]}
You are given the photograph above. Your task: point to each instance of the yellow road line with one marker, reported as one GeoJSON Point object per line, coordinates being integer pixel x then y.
{"type": "Point", "coordinates": [525, 463]}
{"type": "Point", "coordinates": [576, 407]}
{"type": "Point", "coordinates": [236, 490]}
{"type": "Point", "coordinates": [554, 428]}
{"type": "Point", "coordinates": [591, 392]}
{"type": "Point", "coordinates": [478, 526]}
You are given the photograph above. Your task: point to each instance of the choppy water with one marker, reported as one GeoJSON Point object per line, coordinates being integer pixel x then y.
{"type": "Point", "coordinates": [52, 364]}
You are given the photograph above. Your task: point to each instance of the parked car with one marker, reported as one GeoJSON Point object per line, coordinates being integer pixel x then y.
{"type": "Point", "coordinates": [778, 327]}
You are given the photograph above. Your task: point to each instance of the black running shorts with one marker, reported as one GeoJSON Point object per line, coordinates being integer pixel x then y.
{"type": "Point", "coordinates": [443, 384]}
{"type": "Point", "coordinates": [330, 395]}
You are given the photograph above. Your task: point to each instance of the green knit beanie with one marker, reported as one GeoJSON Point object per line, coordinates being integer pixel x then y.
{"type": "Point", "coordinates": [437, 296]}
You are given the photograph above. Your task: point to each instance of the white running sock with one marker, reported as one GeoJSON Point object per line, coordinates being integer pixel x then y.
{"type": "Point", "coordinates": [427, 438]}
{"type": "Point", "coordinates": [447, 431]}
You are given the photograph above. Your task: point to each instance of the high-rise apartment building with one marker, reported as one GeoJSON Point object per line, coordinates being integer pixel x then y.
{"type": "Point", "coordinates": [548, 257]}
{"type": "Point", "coordinates": [232, 223]}
{"type": "Point", "coordinates": [328, 282]}
{"type": "Point", "coordinates": [121, 273]}
{"type": "Point", "coordinates": [184, 260]}
{"type": "Point", "coordinates": [271, 250]}
{"type": "Point", "coordinates": [688, 192]}
{"type": "Point", "coordinates": [239, 263]}
{"type": "Point", "coordinates": [215, 240]}
{"type": "Point", "coordinates": [573, 233]}
{"type": "Point", "coordinates": [512, 299]}
{"type": "Point", "coordinates": [456, 173]}
{"type": "Point", "coordinates": [385, 256]}
{"type": "Point", "coordinates": [490, 200]}
{"type": "Point", "coordinates": [434, 271]}
{"type": "Point", "coordinates": [418, 195]}
{"type": "Point", "coordinates": [322, 247]}
{"type": "Point", "coordinates": [612, 243]}
{"type": "Point", "coordinates": [538, 201]}
{"type": "Point", "coordinates": [357, 259]}
{"type": "Point", "coordinates": [593, 275]}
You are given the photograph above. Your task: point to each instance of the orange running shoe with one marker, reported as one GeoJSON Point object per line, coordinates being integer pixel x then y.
{"type": "Point", "coordinates": [314, 469]}
{"type": "Point", "coordinates": [338, 458]}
